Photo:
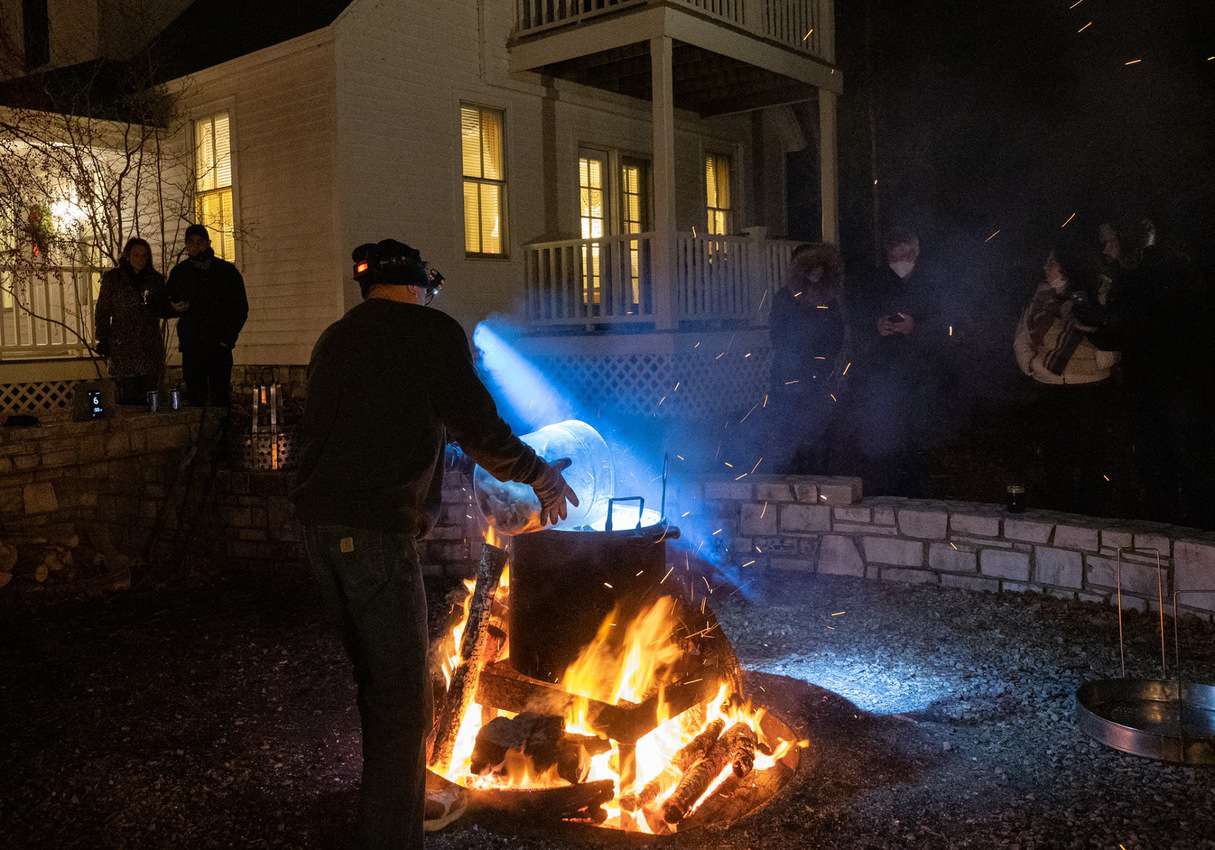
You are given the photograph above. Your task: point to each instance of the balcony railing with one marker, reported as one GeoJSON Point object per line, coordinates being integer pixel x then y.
{"type": "Point", "coordinates": [46, 312]}
{"type": "Point", "coordinates": [609, 281]}
{"type": "Point", "coordinates": [799, 24]}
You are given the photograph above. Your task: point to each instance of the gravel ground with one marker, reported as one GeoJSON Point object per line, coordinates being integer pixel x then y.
{"type": "Point", "coordinates": [223, 717]}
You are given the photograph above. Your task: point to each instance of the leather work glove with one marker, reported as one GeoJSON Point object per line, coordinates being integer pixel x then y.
{"type": "Point", "coordinates": [553, 492]}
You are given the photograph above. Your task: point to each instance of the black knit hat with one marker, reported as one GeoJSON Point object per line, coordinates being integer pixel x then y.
{"type": "Point", "coordinates": [198, 230]}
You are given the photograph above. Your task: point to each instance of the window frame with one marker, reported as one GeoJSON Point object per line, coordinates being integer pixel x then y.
{"type": "Point", "coordinates": [503, 183]}
{"type": "Point", "coordinates": [202, 113]}
{"type": "Point", "coordinates": [731, 211]}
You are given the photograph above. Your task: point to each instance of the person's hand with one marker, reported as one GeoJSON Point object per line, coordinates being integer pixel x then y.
{"type": "Point", "coordinates": [885, 327]}
{"type": "Point", "coordinates": [179, 306]}
{"type": "Point", "coordinates": [553, 492]}
{"type": "Point", "coordinates": [905, 325]}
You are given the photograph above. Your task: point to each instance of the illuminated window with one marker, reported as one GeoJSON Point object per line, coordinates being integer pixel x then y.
{"type": "Point", "coordinates": [634, 213]}
{"type": "Point", "coordinates": [592, 216]}
{"type": "Point", "coordinates": [718, 174]}
{"type": "Point", "coordinates": [484, 170]}
{"type": "Point", "coordinates": [213, 182]}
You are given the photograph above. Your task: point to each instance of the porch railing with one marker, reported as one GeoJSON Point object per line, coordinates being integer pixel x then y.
{"type": "Point", "coordinates": [604, 280]}
{"type": "Point", "coordinates": [801, 24]}
{"type": "Point", "coordinates": [46, 312]}
{"type": "Point", "coordinates": [609, 282]}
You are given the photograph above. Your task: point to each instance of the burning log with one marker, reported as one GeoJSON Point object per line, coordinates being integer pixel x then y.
{"type": "Point", "coordinates": [540, 739]}
{"type": "Point", "coordinates": [472, 655]}
{"type": "Point", "coordinates": [742, 750]}
{"type": "Point", "coordinates": [567, 802]}
{"type": "Point", "coordinates": [701, 775]}
{"type": "Point", "coordinates": [680, 762]}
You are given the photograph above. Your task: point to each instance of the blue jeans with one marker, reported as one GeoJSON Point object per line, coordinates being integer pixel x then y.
{"type": "Point", "coordinates": [373, 584]}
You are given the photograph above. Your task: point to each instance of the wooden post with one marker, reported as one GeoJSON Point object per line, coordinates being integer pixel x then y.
{"type": "Point", "coordinates": [662, 255]}
{"type": "Point", "coordinates": [828, 165]}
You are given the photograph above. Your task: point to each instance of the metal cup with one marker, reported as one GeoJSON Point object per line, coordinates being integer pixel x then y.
{"type": "Point", "coordinates": [175, 399]}
{"type": "Point", "coordinates": [1016, 498]}
{"type": "Point", "coordinates": [153, 400]}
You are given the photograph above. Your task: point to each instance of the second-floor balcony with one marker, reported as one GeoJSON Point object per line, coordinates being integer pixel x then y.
{"type": "Point", "coordinates": [611, 281]}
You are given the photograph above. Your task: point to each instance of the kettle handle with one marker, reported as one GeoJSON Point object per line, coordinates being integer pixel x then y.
{"type": "Point", "coordinates": [640, 500]}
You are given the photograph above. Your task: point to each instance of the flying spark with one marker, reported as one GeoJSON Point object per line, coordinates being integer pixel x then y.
{"type": "Point", "coordinates": [749, 563]}
{"type": "Point", "coordinates": [685, 514]}
{"type": "Point", "coordinates": [846, 368]}
{"type": "Point", "coordinates": [1083, 28]}
{"type": "Point", "coordinates": [608, 586]}
{"type": "Point", "coordinates": [696, 346]}
{"type": "Point", "coordinates": [1106, 477]}
{"type": "Point", "coordinates": [680, 457]}
{"type": "Point", "coordinates": [638, 574]}
{"type": "Point", "coordinates": [833, 398]}
{"type": "Point", "coordinates": [761, 516]}
{"type": "Point", "coordinates": [717, 532]}
{"type": "Point", "coordinates": [1074, 5]}
{"type": "Point", "coordinates": [765, 399]}
{"type": "Point", "coordinates": [839, 613]}
{"type": "Point", "coordinates": [668, 575]}
{"type": "Point", "coordinates": [790, 383]}
{"type": "Point", "coordinates": [993, 236]}
{"type": "Point", "coordinates": [728, 464]}
{"type": "Point", "coordinates": [757, 463]}
{"type": "Point", "coordinates": [661, 400]}
{"type": "Point", "coordinates": [1070, 219]}
{"type": "Point", "coordinates": [1133, 62]}
{"type": "Point", "coordinates": [951, 330]}
{"type": "Point", "coordinates": [741, 477]}
{"type": "Point", "coordinates": [809, 33]}
{"type": "Point", "coordinates": [821, 307]}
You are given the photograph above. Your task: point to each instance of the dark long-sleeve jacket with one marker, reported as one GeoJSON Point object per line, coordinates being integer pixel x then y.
{"type": "Point", "coordinates": [806, 337]}
{"type": "Point", "coordinates": [885, 294]}
{"type": "Point", "coordinates": [388, 385]}
{"type": "Point", "coordinates": [218, 308]}
{"type": "Point", "coordinates": [127, 320]}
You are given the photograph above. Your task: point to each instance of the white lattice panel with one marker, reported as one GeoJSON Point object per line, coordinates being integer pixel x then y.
{"type": "Point", "coordinates": [42, 398]}
{"type": "Point", "coordinates": [685, 385]}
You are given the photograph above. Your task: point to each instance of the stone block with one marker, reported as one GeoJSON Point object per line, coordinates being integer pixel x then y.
{"type": "Point", "coordinates": [808, 546]}
{"type": "Point", "coordinates": [843, 493]}
{"type": "Point", "coordinates": [806, 492]}
{"type": "Point", "coordinates": [1117, 538]}
{"type": "Point", "coordinates": [167, 438]}
{"type": "Point", "coordinates": [1027, 530]}
{"type": "Point", "coordinates": [927, 525]}
{"type": "Point", "coordinates": [1061, 567]}
{"type": "Point", "coordinates": [981, 542]}
{"type": "Point", "coordinates": [1004, 564]}
{"type": "Point", "coordinates": [759, 519]}
{"type": "Point", "coordinates": [741, 545]}
{"type": "Point", "coordinates": [40, 498]}
{"type": "Point", "coordinates": [738, 491]}
{"type": "Point", "coordinates": [854, 514]}
{"type": "Point", "coordinates": [92, 448]}
{"type": "Point", "coordinates": [803, 565]}
{"type": "Point", "coordinates": [893, 552]}
{"type": "Point", "coordinates": [989, 585]}
{"type": "Point", "coordinates": [1017, 587]}
{"type": "Point", "coordinates": [775, 545]}
{"type": "Point", "coordinates": [1136, 578]}
{"type": "Point", "coordinates": [805, 518]}
{"type": "Point", "coordinates": [12, 500]}
{"type": "Point", "coordinates": [1194, 569]}
{"type": "Point", "coordinates": [837, 555]}
{"type": "Point", "coordinates": [864, 528]}
{"type": "Point", "coordinates": [1077, 537]}
{"type": "Point", "coordinates": [910, 576]}
{"type": "Point", "coordinates": [774, 492]}
{"type": "Point", "coordinates": [1148, 541]}
{"type": "Point", "coordinates": [883, 515]}
{"type": "Point", "coordinates": [1092, 596]}
{"type": "Point", "coordinates": [27, 461]}
{"type": "Point", "coordinates": [977, 524]}
{"type": "Point", "coordinates": [944, 557]}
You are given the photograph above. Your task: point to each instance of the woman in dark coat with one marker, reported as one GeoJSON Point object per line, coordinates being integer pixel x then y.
{"type": "Point", "coordinates": [129, 309]}
{"type": "Point", "coordinates": [807, 334]}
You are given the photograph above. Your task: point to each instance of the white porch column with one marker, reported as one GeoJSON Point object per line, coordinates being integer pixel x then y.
{"type": "Point", "coordinates": [662, 252]}
{"type": "Point", "coordinates": [828, 165]}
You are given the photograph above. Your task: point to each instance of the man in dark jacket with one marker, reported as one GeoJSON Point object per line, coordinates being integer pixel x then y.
{"type": "Point", "coordinates": [216, 308]}
{"type": "Point", "coordinates": [388, 384]}
{"type": "Point", "coordinates": [899, 334]}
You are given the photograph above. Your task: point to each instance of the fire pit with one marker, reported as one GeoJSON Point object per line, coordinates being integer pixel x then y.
{"type": "Point", "coordinates": [591, 683]}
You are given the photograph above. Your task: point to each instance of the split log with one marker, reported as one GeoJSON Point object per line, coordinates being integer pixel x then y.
{"type": "Point", "coordinates": [541, 740]}
{"type": "Point", "coordinates": [39, 562]}
{"type": "Point", "coordinates": [680, 762]}
{"type": "Point", "coordinates": [698, 778]}
{"type": "Point", "coordinates": [472, 656]}
{"type": "Point", "coordinates": [566, 802]}
{"type": "Point", "coordinates": [742, 750]}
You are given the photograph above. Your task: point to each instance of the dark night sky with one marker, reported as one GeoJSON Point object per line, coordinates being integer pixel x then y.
{"type": "Point", "coordinates": [998, 114]}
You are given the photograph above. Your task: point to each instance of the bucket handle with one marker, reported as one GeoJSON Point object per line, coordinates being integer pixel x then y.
{"type": "Point", "coordinates": [640, 500]}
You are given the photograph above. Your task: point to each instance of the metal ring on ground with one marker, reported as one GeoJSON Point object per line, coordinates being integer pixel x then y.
{"type": "Point", "coordinates": [1146, 717]}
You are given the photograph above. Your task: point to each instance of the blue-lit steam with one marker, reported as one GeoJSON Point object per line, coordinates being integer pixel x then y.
{"type": "Point", "coordinates": [529, 399]}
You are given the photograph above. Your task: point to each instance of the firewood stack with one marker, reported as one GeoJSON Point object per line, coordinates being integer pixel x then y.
{"type": "Point", "coordinates": [60, 558]}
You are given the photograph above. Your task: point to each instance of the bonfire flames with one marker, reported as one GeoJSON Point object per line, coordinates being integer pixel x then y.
{"type": "Point", "coordinates": [652, 785]}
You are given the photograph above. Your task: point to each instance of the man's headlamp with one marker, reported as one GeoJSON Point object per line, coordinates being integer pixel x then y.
{"type": "Point", "coordinates": [395, 264]}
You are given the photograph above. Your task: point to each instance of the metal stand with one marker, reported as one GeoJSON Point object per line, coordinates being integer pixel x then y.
{"type": "Point", "coordinates": [1165, 719]}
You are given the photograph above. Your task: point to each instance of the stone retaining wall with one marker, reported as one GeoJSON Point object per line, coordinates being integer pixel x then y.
{"type": "Point", "coordinates": [822, 525]}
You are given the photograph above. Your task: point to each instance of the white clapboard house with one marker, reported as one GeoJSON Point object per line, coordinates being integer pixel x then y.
{"type": "Point", "coordinates": [609, 174]}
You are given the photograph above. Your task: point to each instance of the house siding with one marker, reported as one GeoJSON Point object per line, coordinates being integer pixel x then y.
{"type": "Point", "coordinates": [403, 69]}
{"type": "Point", "coordinates": [283, 124]}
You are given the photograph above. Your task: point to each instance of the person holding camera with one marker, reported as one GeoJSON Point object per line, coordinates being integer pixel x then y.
{"type": "Point", "coordinates": [130, 305]}
{"type": "Point", "coordinates": [388, 385]}
{"type": "Point", "coordinates": [1056, 345]}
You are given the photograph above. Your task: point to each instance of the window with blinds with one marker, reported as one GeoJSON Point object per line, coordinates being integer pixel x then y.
{"type": "Point", "coordinates": [213, 182]}
{"type": "Point", "coordinates": [718, 176]}
{"type": "Point", "coordinates": [592, 217]}
{"type": "Point", "coordinates": [484, 168]}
